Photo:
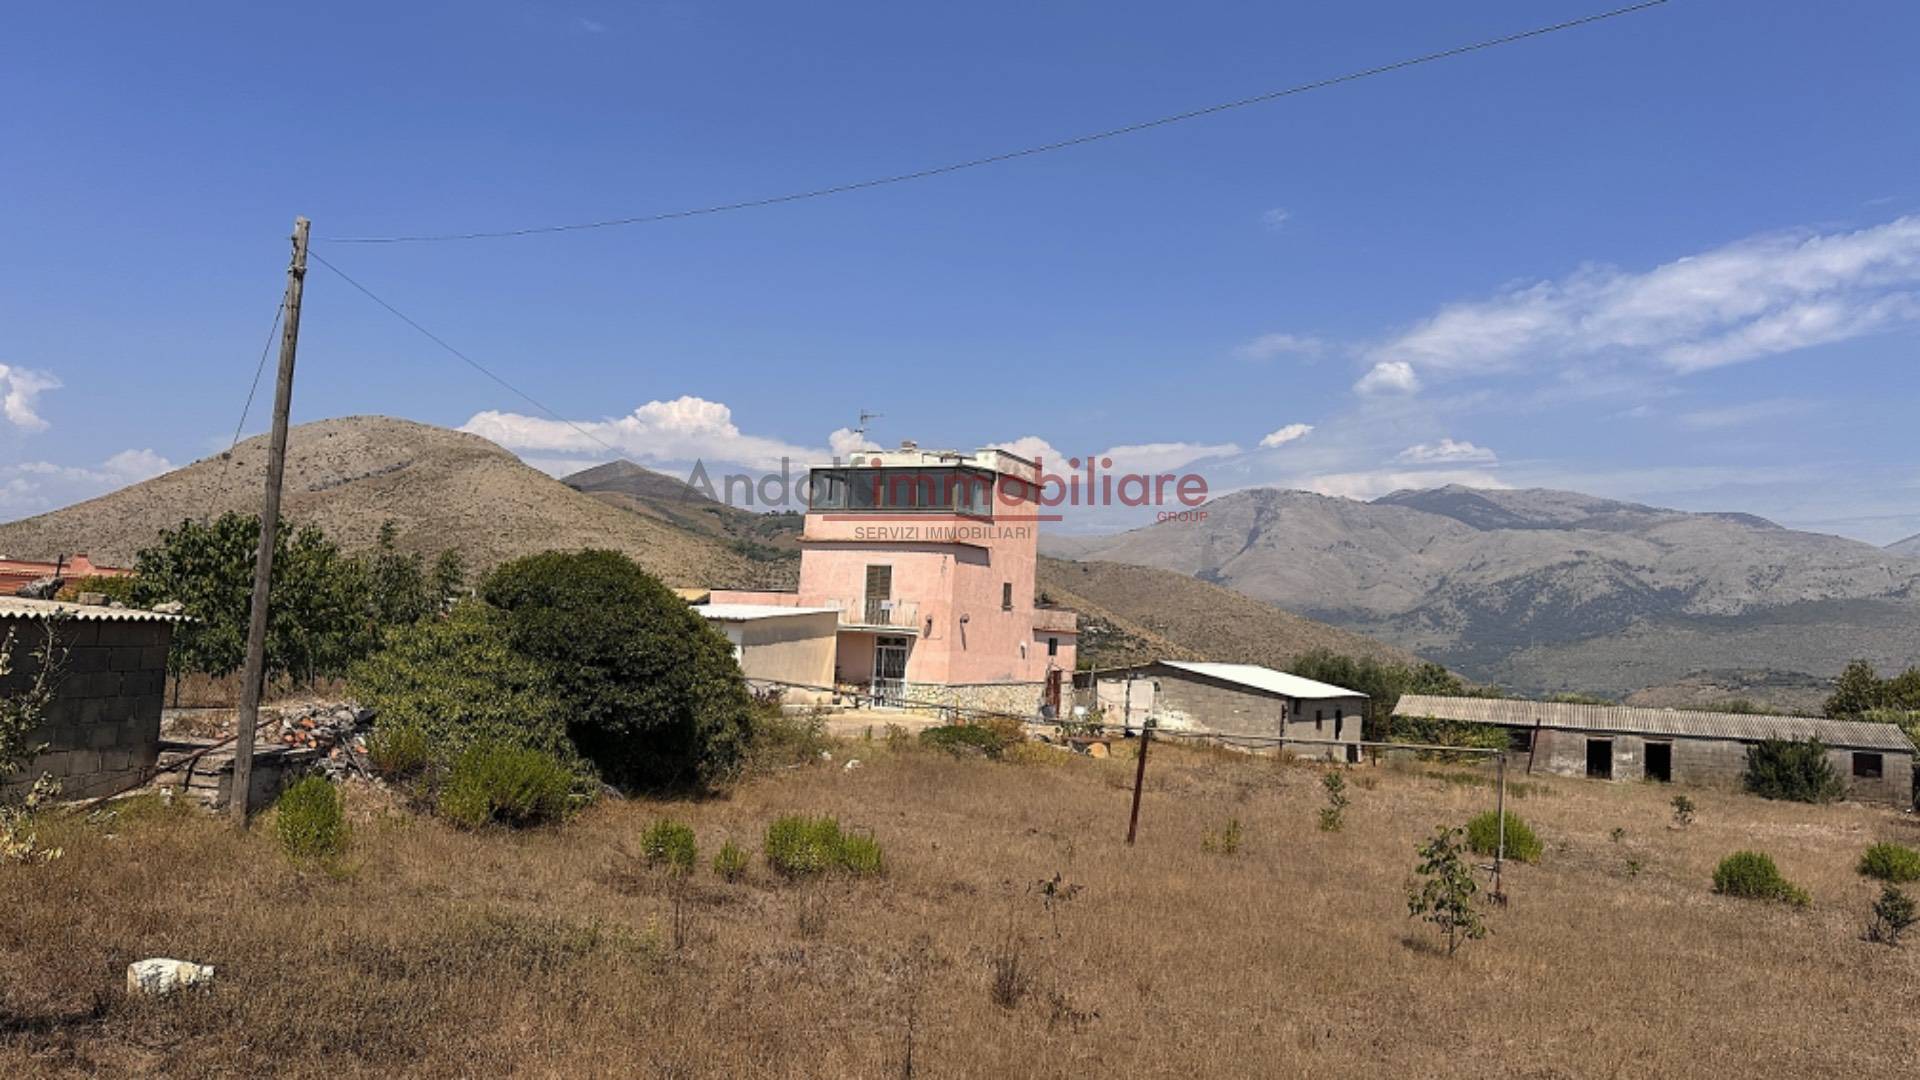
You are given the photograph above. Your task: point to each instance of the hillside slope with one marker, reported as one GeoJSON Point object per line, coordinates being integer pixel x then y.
{"type": "Point", "coordinates": [1909, 547]}
{"type": "Point", "coordinates": [1135, 613]}
{"type": "Point", "coordinates": [1545, 590]}
{"type": "Point", "coordinates": [441, 489]}
{"type": "Point", "coordinates": [771, 539]}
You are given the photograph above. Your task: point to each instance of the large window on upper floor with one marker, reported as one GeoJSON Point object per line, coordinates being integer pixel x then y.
{"type": "Point", "coordinates": [928, 490]}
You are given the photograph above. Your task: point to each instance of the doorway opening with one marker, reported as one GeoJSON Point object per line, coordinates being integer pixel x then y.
{"type": "Point", "coordinates": [1600, 759]}
{"type": "Point", "coordinates": [889, 670]}
{"type": "Point", "coordinates": [1660, 762]}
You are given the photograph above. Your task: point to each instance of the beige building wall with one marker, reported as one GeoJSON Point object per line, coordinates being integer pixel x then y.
{"type": "Point", "coordinates": [797, 648]}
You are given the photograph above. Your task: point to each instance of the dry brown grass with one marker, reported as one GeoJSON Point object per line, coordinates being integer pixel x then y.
{"type": "Point", "coordinates": [437, 952]}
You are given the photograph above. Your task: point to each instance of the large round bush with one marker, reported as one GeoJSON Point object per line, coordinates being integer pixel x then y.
{"type": "Point", "coordinates": [652, 693]}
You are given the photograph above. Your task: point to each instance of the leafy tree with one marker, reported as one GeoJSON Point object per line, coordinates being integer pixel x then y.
{"type": "Point", "coordinates": [652, 693]}
{"type": "Point", "coordinates": [399, 590]}
{"type": "Point", "coordinates": [1860, 691]}
{"type": "Point", "coordinates": [455, 682]}
{"type": "Point", "coordinates": [1446, 897]}
{"type": "Point", "coordinates": [449, 579]}
{"type": "Point", "coordinates": [1796, 771]}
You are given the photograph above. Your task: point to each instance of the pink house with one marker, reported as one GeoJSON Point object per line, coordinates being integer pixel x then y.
{"type": "Point", "coordinates": [929, 557]}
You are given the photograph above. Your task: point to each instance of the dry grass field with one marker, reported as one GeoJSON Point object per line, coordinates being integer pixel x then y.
{"type": "Point", "coordinates": [433, 952]}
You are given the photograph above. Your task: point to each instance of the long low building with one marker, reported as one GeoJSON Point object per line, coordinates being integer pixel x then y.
{"type": "Point", "coordinates": [1253, 703]}
{"type": "Point", "coordinates": [1621, 742]}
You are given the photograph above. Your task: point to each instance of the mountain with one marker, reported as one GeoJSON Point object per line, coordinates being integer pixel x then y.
{"type": "Point", "coordinates": [1550, 590]}
{"type": "Point", "coordinates": [772, 538]}
{"type": "Point", "coordinates": [445, 488]}
{"type": "Point", "coordinates": [1135, 613]}
{"type": "Point", "coordinates": [1910, 546]}
{"type": "Point", "coordinates": [441, 489]}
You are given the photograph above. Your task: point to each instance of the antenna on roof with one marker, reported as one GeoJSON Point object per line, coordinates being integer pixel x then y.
{"type": "Point", "coordinates": [866, 420]}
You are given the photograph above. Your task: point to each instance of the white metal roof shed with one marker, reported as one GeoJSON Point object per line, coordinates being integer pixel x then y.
{"type": "Point", "coordinates": [1264, 678]}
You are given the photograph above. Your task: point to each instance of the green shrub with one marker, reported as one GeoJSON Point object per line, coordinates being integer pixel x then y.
{"type": "Point", "coordinates": [311, 822]}
{"type": "Point", "coordinates": [652, 693]}
{"type": "Point", "coordinates": [457, 683]}
{"type": "Point", "coordinates": [781, 739]}
{"type": "Point", "coordinates": [797, 846]}
{"type": "Point", "coordinates": [964, 739]}
{"type": "Point", "coordinates": [861, 857]}
{"type": "Point", "coordinates": [1891, 862]}
{"type": "Point", "coordinates": [399, 750]}
{"type": "Point", "coordinates": [1459, 733]}
{"type": "Point", "coordinates": [1483, 837]}
{"type": "Point", "coordinates": [730, 862]}
{"type": "Point", "coordinates": [1752, 875]}
{"type": "Point", "coordinates": [1224, 842]}
{"type": "Point", "coordinates": [670, 844]}
{"type": "Point", "coordinates": [1796, 771]}
{"type": "Point", "coordinates": [512, 785]}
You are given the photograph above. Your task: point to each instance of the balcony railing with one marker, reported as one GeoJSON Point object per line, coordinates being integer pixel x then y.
{"type": "Point", "coordinates": [900, 614]}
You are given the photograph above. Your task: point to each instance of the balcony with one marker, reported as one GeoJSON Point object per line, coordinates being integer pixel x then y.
{"type": "Point", "coordinates": [899, 616]}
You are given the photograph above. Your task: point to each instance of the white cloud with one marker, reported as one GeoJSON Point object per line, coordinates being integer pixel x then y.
{"type": "Point", "coordinates": [1163, 457]}
{"type": "Point", "coordinates": [1374, 483]}
{"type": "Point", "coordinates": [1033, 448]}
{"type": "Point", "coordinates": [1388, 377]}
{"type": "Point", "coordinates": [20, 390]}
{"type": "Point", "coordinates": [1446, 450]}
{"type": "Point", "coordinates": [1286, 435]}
{"type": "Point", "coordinates": [1757, 297]}
{"type": "Point", "coordinates": [673, 432]}
{"type": "Point", "coordinates": [1269, 346]}
{"type": "Point", "coordinates": [845, 441]}
{"type": "Point", "coordinates": [1275, 219]}
{"type": "Point", "coordinates": [1150, 458]}
{"type": "Point", "coordinates": [1751, 412]}
{"type": "Point", "coordinates": [32, 487]}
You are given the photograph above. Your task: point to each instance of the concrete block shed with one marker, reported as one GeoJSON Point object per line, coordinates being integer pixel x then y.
{"type": "Point", "coordinates": [1685, 746]}
{"type": "Point", "coordinates": [1229, 700]}
{"type": "Point", "coordinates": [102, 726]}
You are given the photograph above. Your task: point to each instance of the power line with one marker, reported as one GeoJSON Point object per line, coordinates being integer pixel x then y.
{"type": "Point", "coordinates": [272, 332]}
{"type": "Point", "coordinates": [1011, 155]}
{"type": "Point", "coordinates": [463, 357]}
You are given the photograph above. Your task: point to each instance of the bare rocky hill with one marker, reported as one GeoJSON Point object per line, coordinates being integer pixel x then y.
{"type": "Point", "coordinates": [441, 488]}
{"type": "Point", "coordinates": [1909, 547]}
{"type": "Point", "coordinates": [771, 539]}
{"type": "Point", "coordinates": [1547, 590]}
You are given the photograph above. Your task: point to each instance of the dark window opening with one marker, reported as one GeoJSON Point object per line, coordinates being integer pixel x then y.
{"type": "Point", "coordinates": [1600, 759]}
{"type": "Point", "coordinates": [1520, 740]}
{"type": "Point", "coordinates": [1319, 719]}
{"type": "Point", "coordinates": [1660, 762]}
{"type": "Point", "coordinates": [1053, 646]}
{"type": "Point", "coordinates": [1006, 596]}
{"type": "Point", "coordinates": [1868, 766]}
{"type": "Point", "coordinates": [963, 490]}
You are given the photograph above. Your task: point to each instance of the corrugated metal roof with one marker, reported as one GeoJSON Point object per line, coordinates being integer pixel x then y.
{"type": "Point", "coordinates": [21, 607]}
{"type": "Point", "coordinates": [747, 612]}
{"type": "Point", "coordinates": [1264, 678]}
{"type": "Point", "coordinates": [1633, 720]}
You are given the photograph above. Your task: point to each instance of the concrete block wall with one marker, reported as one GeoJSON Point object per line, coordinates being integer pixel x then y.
{"type": "Point", "coordinates": [1718, 763]}
{"type": "Point", "coordinates": [102, 728]}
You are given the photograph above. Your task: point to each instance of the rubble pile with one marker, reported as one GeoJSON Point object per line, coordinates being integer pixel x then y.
{"type": "Point", "coordinates": [337, 729]}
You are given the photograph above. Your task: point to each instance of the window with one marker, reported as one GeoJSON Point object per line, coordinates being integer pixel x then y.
{"type": "Point", "coordinates": [1053, 646]}
{"type": "Point", "coordinates": [1006, 596]}
{"type": "Point", "coordinates": [1520, 740]}
{"type": "Point", "coordinates": [936, 490]}
{"type": "Point", "coordinates": [1868, 766]}
{"type": "Point", "coordinates": [1319, 719]}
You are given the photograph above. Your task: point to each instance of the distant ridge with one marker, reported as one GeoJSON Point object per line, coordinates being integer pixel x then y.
{"type": "Point", "coordinates": [1546, 590]}
{"type": "Point", "coordinates": [441, 489]}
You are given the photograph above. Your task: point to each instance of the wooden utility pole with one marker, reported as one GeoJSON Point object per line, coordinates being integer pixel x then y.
{"type": "Point", "coordinates": [1139, 781]}
{"type": "Point", "coordinates": [254, 678]}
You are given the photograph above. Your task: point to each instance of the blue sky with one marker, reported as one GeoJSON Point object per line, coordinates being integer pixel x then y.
{"type": "Point", "coordinates": [1672, 257]}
